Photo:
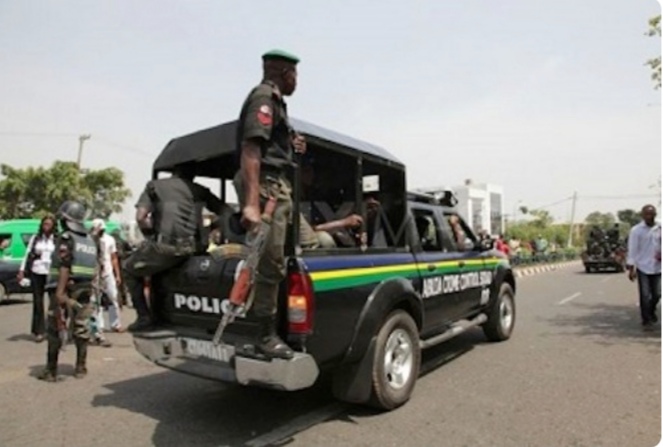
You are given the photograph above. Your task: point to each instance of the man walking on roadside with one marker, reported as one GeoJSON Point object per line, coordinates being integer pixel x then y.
{"type": "Point", "coordinates": [644, 263]}
{"type": "Point", "coordinates": [109, 277]}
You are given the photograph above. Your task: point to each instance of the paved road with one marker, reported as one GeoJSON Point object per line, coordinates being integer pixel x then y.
{"type": "Point", "coordinates": [577, 372]}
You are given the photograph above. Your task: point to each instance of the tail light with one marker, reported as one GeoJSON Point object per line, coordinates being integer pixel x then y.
{"type": "Point", "coordinates": [300, 304]}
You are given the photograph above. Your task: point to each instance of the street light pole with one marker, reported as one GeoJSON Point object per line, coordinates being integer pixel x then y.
{"type": "Point", "coordinates": [573, 217]}
{"type": "Point", "coordinates": [81, 140]}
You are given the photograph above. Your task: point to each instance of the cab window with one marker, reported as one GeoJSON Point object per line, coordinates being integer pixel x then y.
{"type": "Point", "coordinates": [25, 237]}
{"type": "Point", "coordinates": [432, 234]}
{"type": "Point", "coordinates": [426, 230]}
{"type": "Point", "coordinates": [463, 236]}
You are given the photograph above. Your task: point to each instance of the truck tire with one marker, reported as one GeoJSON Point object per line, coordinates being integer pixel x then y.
{"type": "Point", "coordinates": [501, 315]}
{"type": "Point", "coordinates": [588, 269]}
{"type": "Point", "coordinates": [396, 363]}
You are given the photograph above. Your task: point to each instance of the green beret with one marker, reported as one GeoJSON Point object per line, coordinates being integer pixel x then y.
{"type": "Point", "coordinates": [280, 54]}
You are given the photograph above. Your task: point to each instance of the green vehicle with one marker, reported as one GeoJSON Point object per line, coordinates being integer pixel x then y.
{"type": "Point", "coordinates": [14, 239]}
{"type": "Point", "coordinates": [15, 236]}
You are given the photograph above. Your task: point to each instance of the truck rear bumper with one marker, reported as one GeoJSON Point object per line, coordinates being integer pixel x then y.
{"type": "Point", "coordinates": [603, 263]}
{"type": "Point", "coordinates": [201, 358]}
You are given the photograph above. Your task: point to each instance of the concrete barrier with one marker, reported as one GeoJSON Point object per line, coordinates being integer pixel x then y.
{"type": "Point", "coordinates": [536, 269]}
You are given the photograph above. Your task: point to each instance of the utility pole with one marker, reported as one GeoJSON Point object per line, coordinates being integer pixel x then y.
{"type": "Point", "coordinates": [573, 217]}
{"type": "Point", "coordinates": [81, 140]}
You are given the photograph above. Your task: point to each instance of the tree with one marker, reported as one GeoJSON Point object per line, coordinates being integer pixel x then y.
{"type": "Point", "coordinates": [107, 191]}
{"type": "Point", "coordinates": [542, 218]}
{"type": "Point", "coordinates": [628, 217]}
{"type": "Point", "coordinates": [35, 191]}
{"type": "Point", "coordinates": [655, 62]}
{"type": "Point", "coordinates": [602, 220]}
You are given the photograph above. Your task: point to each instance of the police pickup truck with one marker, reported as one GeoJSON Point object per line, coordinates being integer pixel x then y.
{"type": "Point", "coordinates": [362, 311]}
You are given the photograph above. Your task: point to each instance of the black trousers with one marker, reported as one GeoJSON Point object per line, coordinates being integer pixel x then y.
{"type": "Point", "coordinates": [38, 316]}
{"type": "Point", "coordinates": [649, 287]}
{"type": "Point", "coordinates": [148, 259]}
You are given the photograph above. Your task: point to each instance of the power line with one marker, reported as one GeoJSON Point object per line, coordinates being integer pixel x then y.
{"type": "Point", "coordinates": [108, 142]}
{"type": "Point", "coordinates": [98, 139]}
{"type": "Point", "coordinates": [625, 197]}
{"type": "Point", "coordinates": [37, 134]}
{"type": "Point", "coordinates": [551, 204]}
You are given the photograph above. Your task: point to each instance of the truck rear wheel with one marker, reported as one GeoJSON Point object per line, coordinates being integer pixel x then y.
{"type": "Point", "coordinates": [501, 315]}
{"type": "Point", "coordinates": [396, 362]}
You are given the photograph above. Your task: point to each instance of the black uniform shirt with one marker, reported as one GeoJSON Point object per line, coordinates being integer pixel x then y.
{"type": "Point", "coordinates": [76, 252]}
{"type": "Point", "coordinates": [264, 118]}
{"type": "Point", "coordinates": [177, 207]}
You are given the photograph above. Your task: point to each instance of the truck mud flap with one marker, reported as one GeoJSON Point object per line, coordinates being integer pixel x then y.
{"type": "Point", "coordinates": [203, 359]}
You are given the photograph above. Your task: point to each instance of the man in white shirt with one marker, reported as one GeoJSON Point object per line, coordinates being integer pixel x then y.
{"type": "Point", "coordinates": [110, 277]}
{"type": "Point", "coordinates": [644, 263]}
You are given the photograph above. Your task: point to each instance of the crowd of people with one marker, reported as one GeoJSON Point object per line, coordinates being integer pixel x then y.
{"type": "Point", "coordinates": [535, 250]}
{"type": "Point", "coordinates": [110, 295]}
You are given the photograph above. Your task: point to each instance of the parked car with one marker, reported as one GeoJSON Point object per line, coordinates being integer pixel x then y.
{"type": "Point", "coordinates": [8, 283]}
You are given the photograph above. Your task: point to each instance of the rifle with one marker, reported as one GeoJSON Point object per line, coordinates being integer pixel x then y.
{"type": "Point", "coordinates": [246, 277]}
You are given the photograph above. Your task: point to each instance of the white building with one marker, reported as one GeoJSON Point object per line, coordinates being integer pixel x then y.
{"type": "Point", "coordinates": [480, 204]}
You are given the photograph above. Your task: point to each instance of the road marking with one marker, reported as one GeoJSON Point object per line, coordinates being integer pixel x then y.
{"type": "Point", "coordinates": [569, 298]}
{"type": "Point", "coordinates": [297, 425]}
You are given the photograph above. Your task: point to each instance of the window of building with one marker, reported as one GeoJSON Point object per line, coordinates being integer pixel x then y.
{"type": "Point", "coordinates": [477, 214]}
{"type": "Point", "coordinates": [495, 213]}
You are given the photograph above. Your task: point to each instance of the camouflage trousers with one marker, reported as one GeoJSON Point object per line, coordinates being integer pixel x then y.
{"type": "Point", "coordinates": [271, 267]}
{"type": "Point", "coordinates": [80, 315]}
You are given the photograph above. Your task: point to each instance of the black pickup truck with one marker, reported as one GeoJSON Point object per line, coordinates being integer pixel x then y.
{"type": "Point", "coordinates": [361, 311]}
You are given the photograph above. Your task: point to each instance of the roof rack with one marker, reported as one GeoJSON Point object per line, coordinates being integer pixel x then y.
{"type": "Point", "coordinates": [444, 198]}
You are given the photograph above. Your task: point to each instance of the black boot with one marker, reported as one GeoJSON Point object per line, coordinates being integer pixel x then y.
{"type": "Point", "coordinates": [50, 373]}
{"type": "Point", "coordinates": [270, 344]}
{"type": "Point", "coordinates": [81, 358]}
{"type": "Point", "coordinates": [142, 324]}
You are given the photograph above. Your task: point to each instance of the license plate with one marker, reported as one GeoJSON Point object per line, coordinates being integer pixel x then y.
{"type": "Point", "coordinates": [203, 348]}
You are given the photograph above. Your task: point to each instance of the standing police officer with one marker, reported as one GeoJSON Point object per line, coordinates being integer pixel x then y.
{"type": "Point", "coordinates": [265, 141]}
{"type": "Point", "coordinates": [69, 287]}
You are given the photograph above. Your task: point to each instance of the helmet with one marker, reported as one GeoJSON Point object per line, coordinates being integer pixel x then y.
{"type": "Point", "coordinates": [71, 215]}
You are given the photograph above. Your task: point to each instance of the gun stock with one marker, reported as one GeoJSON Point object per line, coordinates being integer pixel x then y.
{"type": "Point", "coordinates": [241, 288]}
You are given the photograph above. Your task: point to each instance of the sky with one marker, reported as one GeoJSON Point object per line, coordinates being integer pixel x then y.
{"type": "Point", "coordinates": [542, 98]}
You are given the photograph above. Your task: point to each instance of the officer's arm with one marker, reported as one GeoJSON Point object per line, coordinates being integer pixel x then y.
{"type": "Point", "coordinates": [250, 166]}
{"type": "Point", "coordinates": [61, 290]}
{"type": "Point", "coordinates": [144, 210]}
{"type": "Point", "coordinates": [351, 221]}
{"type": "Point", "coordinates": [65, 254]}
{"type": "Point", "coordinates": [257, 130]}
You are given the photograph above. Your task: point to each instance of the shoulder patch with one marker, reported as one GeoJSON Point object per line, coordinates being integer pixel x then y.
{"type": "Point", "coordinates": [265, 115]}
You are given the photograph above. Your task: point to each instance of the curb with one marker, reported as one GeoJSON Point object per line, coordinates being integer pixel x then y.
{"type": "Point", "coordinates": [519, 272]}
